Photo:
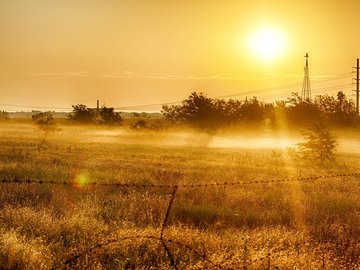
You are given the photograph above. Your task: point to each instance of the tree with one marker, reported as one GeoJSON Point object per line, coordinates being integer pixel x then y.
{"type": "Point", "coordinates": [232, 111]}
{"type": "Point", "coordinates": [82, 114]}
{"type": "Point", "coordinates": [209, 114]}
{"type": "Point", "coordinates": [172, 113]}
{"type": "Point", "coordinates": [302, 112]}
{"type": "Point", "coordinates": [109, 117]}
{"type": "Point", "coordinates": [4, 115]}
{"type": "Point", "coordinates": [254, 112]}
{"type": "Point", "coordinates": [45, 122]}
{"type": "Point", "coordinates": [279, 119]}
{"type": "Point", "coordinates": [198, 111]}
{"type": "Point", "coordinates": [319, 144]}
{"type": "Point", "coordinates": [337, 111]}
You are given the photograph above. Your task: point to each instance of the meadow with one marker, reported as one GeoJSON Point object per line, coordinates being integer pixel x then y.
{"type": "Point", "coordinates": [91, 223]}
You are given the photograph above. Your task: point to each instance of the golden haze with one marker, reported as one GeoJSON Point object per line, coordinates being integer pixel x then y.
{"type": "Point", "coordinates": [124, 53]}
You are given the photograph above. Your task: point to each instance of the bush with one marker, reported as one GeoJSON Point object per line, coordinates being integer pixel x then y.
{"type": "Point", "coordinates": [139, 125]}
{"type": "Point", "coordinates": [148, 125]}
{"type": "Point", "coordinates": [4, 115]}
{"type": "Point", "coordinates": [45, 122]}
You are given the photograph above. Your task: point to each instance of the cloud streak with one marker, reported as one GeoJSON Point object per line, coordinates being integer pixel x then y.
{"type": "Point", "coordinates": [219, 77]}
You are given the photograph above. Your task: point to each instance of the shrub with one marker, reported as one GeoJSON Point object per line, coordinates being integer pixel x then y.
{"type": "Point", "coordinates": [45, 122]}
{"type": "Point", "coordinates": [4, 115]}
{"type": "Point", "coordinates": [139, 125]}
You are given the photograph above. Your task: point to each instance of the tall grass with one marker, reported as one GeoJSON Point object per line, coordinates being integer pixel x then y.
{"type": "Point", "coordinates": [307, 225]}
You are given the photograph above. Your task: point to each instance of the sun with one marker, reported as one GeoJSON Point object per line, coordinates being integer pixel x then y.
{"type": "Point", "coordinates": [267, 43]}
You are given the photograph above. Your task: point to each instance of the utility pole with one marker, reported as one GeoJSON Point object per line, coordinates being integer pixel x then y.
{"type": "Point", "coordinates": [357, 84]}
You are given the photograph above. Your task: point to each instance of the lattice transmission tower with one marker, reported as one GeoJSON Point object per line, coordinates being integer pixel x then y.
{"type": "Point", "coordinates": [306, 90]}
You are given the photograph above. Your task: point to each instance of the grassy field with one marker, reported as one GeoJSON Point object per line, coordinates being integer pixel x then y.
{"type": "Point", "coordinates": [289, 225]}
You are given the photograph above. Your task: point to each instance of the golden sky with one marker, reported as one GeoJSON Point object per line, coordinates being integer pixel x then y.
{"type": "Point", "coordinates": [135, 52]}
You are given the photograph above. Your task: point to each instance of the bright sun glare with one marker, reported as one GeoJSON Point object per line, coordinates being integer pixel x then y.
{"type": "Point", "coordinates": [267, 43]}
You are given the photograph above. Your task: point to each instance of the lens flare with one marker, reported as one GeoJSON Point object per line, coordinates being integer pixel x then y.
{"type": "Point", "coordinates": [82, 180]}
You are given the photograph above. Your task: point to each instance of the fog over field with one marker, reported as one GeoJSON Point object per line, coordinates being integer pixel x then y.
{"type": "Point", "coordinates": [348, 141]}
{"type": "Point", "coordinates": [90, 195]}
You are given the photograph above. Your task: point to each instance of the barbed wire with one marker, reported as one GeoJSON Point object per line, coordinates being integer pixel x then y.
{"type": "Point", "coordinates": [71, 260]}
{"type": "Point", "coordinates": [161, 237]}
{"type": "Point", "coordinates": [271, 254]}
{"type": "Point", "coordinates": [16, 180]}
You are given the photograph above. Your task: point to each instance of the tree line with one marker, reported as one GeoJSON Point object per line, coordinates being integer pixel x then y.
{"type": "Point", "coordinates": [209, 114]}
{"type": "Point", "coordinates": [104, 115]}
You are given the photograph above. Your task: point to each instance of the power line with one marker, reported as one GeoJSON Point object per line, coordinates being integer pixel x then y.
{"type": "Point", "coordinates": [148, 105]}
{"type": "Point", "coordinates": [316, 90]}
{"type": "Point", "coordinates": [34, 107]}
{"type": "Point", "coordinates": [335, 77]}
{"type": "Point", "coordinates": [349, 74]}
{"type": "Point", "coordinates": [227, 96]}
{"type": "Point", "coordinates": [357, 85]}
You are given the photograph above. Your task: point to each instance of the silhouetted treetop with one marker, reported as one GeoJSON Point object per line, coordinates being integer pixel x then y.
{"type": "Point", "coordinates": [104, 115]}
{"type": "Point", "coordinates": [82, 114]}
{"type": "Point", "coordinates": [338, 111]}
{"type": "Point", "coordinates": [209, 114]}
{"type": "Point", "coordinates": [4, 115]}
{"type": "Point", "coordinates": [45, 122]}
{"type": "Point", "coordinates": [109, 117]}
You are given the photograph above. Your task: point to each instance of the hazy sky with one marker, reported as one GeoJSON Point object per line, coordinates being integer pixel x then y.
{"type": "Point", "coordinates": [134, 52]}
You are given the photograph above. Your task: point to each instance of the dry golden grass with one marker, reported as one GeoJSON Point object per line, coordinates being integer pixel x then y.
{"type": "Point", "coordinates": [298, 224]}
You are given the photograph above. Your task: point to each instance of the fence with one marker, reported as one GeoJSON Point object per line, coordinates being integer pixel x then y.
{"type": "Point", "coordinates": [174, 189]}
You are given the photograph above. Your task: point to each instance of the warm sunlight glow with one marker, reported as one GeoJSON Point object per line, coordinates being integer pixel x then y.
{"type": "Point", "coordinates": [81, 180]}
{"type": "Point", "coordinates": [267, 43]}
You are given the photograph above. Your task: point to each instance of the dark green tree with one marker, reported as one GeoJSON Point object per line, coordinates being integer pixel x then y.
{"type": "Point", "coordinates": [170, 112]}
{"type": "Point", "coordinates": [232, 111]}
{"type": "Point", "coordinates": [108, 116]}
{"type": "Point", "coordinates": [4, 115]}
{"type": "Point", "coordinates": [253, 112]}
{"type": "Point", "coordinates": [45, 122]}
{"type": "Point", "coordinates": [319, 145]}
{"type": "Point", "coordinates": [209, 114]}
{"type": "Point", "coordinates": [198, 111]}
{"type": "Point", "coordinates": [302, 112]}
{"type": "Point", "coordinates": [338, 111]}
{"type": "Point", "coordinates": [280, 119]}
{"type": "Point", "coordinates": [82, 114]}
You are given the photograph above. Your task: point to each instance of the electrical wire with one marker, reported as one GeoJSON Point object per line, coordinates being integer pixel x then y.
{"type": "Point", "coordinates": [259, 91]}
{"type": "Point", "coordinates": [34, 107]}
